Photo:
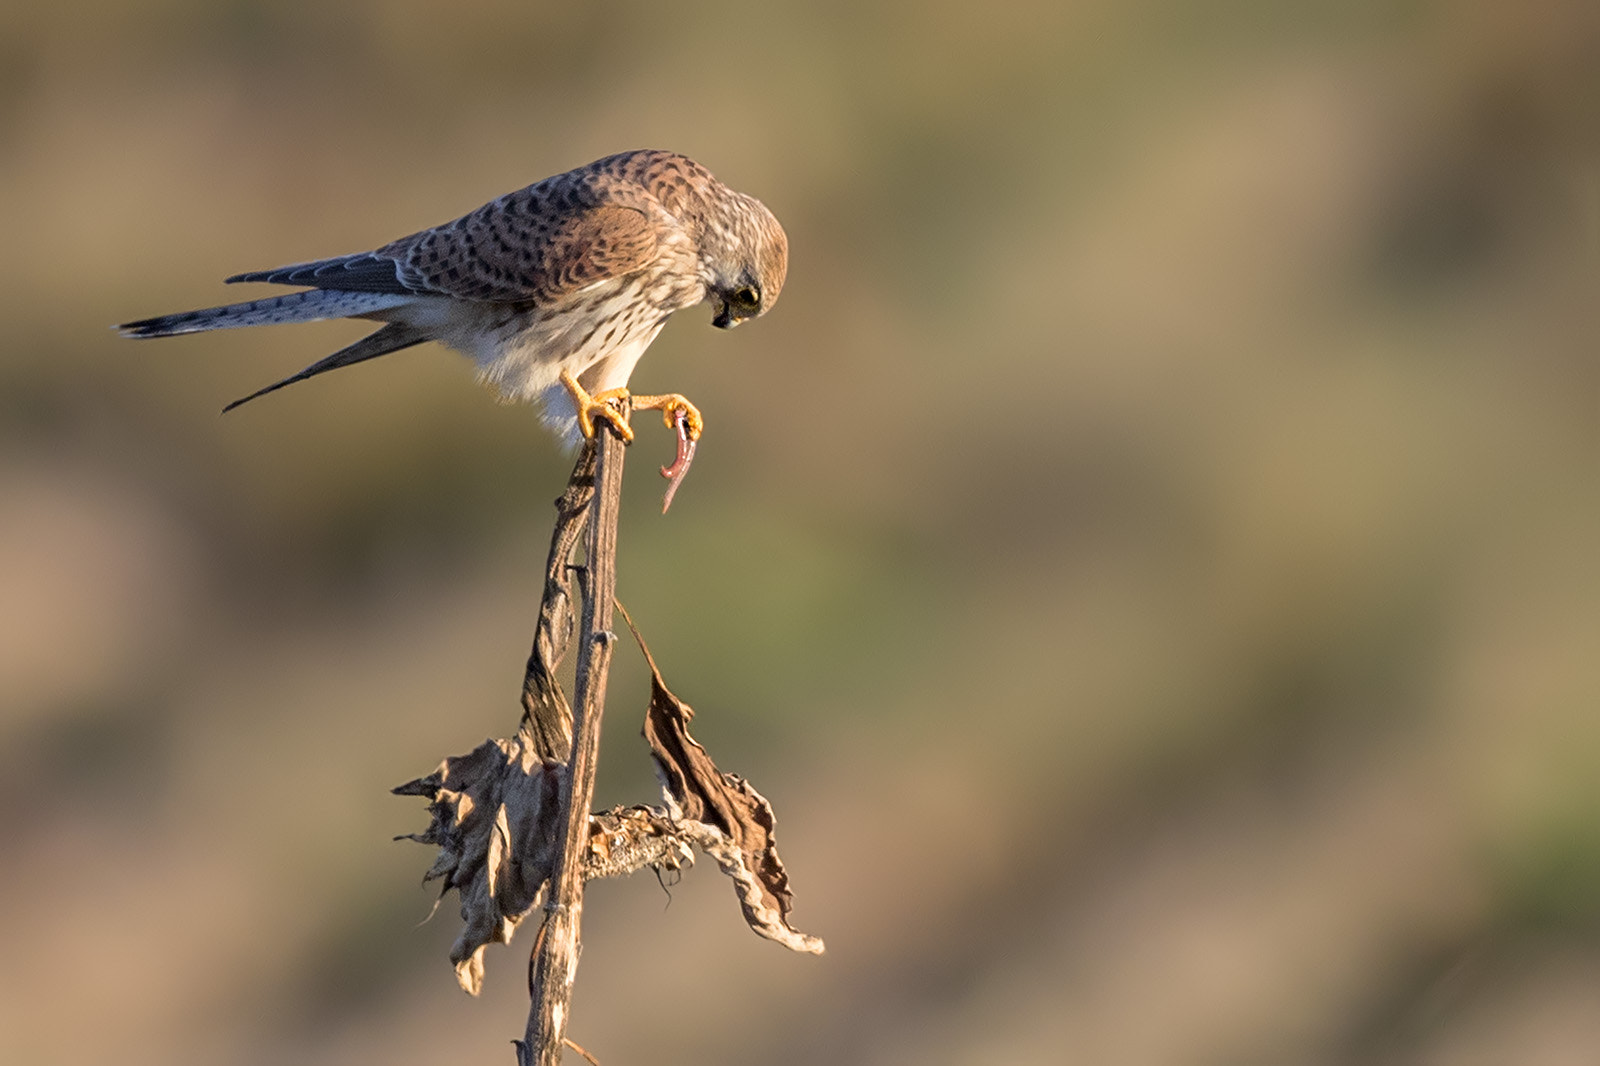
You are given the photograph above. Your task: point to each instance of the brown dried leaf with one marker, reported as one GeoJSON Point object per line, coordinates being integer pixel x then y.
{"type": "Point", "coordinates": [546, 718]}
{"type": "Point", "coordinates": [493, 820]}
{"type": "Point", "coordinates": [495, 809]}
{"type": "Point", "coordinates": [721, 814]}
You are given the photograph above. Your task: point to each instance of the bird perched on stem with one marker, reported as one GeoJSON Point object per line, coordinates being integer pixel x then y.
{"type": "Point", "coordinates": [554, 290]}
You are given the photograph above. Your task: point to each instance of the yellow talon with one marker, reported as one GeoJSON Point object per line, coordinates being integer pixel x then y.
{"type": "Point", "coordinates": [669, 406]}
{"type": "Point", "coordinates": [604, 405]}
{"type": "Point", "coordinates": [600, 405]}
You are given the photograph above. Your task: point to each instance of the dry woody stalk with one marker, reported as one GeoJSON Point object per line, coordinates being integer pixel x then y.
{"type": "Point", "coordinates": [511, 818]}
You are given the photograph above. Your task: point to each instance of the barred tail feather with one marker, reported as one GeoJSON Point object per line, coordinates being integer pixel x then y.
{"type": "Point", "coordinates": [390, 338]}
{"type": "Point", "coordinates": [290, 307]}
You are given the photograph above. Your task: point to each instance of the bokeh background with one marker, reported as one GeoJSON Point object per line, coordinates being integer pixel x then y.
{"type": "Point", "coordinates": [1149, 556]}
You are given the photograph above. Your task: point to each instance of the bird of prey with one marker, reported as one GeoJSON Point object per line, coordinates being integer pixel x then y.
{"type": "Point", "coordinates": [554, 290]}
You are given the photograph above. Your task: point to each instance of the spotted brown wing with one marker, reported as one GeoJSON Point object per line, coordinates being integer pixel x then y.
{"type": "Point", "coordinates": [537, 245]}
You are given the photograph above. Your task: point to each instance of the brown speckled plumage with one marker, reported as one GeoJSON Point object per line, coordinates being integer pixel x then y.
{"type": "Point", "coordinates": [577, 272]}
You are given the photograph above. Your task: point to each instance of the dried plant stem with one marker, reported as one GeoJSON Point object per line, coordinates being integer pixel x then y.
{"type": "Point", "coordinates": [555, 963]}
{"type": "Point", "coordinates": [512, 818]}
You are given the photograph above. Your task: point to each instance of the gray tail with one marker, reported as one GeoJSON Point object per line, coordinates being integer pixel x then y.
{"type": "Point", "coordinates": [290, 307]}
{"type": "Point", "coordinates": [390, 338]}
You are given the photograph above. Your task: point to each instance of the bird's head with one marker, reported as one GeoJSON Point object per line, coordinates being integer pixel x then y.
{"type": "Point", "coordinates": [747, 259]}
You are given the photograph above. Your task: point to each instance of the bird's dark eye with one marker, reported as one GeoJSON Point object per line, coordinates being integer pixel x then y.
{"type": "Point", "coordinates": [747, 296]}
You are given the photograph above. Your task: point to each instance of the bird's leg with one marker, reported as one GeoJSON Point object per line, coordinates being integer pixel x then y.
{"type": "Point", "coordinates": [671, 406]}
{"type": "Point", "coordinates": [597, 406]}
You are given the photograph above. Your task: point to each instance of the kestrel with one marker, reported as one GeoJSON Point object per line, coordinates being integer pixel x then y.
{"type": "Point", "coordinates": [554, 290]}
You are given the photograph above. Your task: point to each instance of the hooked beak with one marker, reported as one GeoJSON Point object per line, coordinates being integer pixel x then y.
{"type": "Point", "coordinates": [725, 318]}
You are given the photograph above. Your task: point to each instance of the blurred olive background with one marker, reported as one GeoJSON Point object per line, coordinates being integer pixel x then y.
{"type": "Point", "coordinates": [1149, 556]}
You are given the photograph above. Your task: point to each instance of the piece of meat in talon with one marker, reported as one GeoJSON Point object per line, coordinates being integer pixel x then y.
{"type": "Point", "coordinates": [680, 463]}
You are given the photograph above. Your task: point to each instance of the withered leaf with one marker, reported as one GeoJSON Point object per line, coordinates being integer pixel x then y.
{"type": "Point", "coordinates": [493, 820]}
{"type": "Point", "coordinates": [722, 814]}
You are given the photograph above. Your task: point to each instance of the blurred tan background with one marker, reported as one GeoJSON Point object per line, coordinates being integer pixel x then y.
{"type": "Point", "coordinates": [1149, 556]}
